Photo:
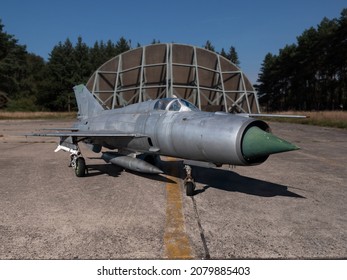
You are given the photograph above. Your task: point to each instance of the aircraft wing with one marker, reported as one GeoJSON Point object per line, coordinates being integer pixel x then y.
{"type": "Point", "coordinates": [87, 134]}
{"type": "Point", "coordinates": [271, 116]}
{"type": "Point", "coordinates": [68, 144]}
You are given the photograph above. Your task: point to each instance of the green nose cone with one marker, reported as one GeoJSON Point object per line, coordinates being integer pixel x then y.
{"type": "Point", "coordinates": [258, 143]}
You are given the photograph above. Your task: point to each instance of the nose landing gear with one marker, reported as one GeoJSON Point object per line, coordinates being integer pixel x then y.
{"type": "Point", "coordinates": [189, 183]}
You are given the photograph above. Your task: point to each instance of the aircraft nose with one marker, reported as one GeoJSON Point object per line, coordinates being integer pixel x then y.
{"type": "Point", "coordinates": [257, 143]}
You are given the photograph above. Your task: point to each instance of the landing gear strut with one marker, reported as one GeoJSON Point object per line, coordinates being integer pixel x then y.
{"type": "Point", "coordinates": [189, 183]}
{"type": "Point", "coordinates": [78, 163]}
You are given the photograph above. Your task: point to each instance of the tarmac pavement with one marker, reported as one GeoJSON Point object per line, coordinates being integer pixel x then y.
{"type": "Point", "coordinates": [293, 206]}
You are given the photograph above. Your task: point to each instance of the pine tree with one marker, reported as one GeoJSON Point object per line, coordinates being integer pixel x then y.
{"type": "Point", "coordinates": [209, 46]}
{"type": "Point", "coordinates": [311, 74]}
{"type": "Point", "coordinates": [122, 45]}
{"type": "Point", "coordinates": [60, 72]}
{"type": "Point", "coordinates": [83, 68]}
{"type": "Point", "coordinates": [233, 56]}
{"type": "Point", "coordinates": [12, 64]}
{"type": "Point", "coordinates": [223, 53]}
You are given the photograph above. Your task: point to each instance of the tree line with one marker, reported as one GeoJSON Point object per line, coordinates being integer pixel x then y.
{"type": "Point", "coordinates": [311, 74]}
{"type": "Point", "coordinates": [33, 84]}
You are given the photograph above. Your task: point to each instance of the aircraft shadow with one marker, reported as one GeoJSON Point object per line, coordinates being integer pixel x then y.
{"type": "Point", "coordinates": [222, 179]}
{"type": "Point", "coordinates": [99, 169]}
{"type": "Point", "coordinates": [156, 177]}
{"type": "Point", "coordinates": [227, 180]}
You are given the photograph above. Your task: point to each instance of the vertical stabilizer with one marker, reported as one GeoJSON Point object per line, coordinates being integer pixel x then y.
{"type": "Point", "coordinates": [88, 106]}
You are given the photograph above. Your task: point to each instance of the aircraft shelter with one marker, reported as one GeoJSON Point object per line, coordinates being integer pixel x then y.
{"type": "Point", "coordinates": [204, 78]}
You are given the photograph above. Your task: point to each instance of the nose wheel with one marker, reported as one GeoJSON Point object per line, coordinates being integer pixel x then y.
{"type": "Point", "coordinates": [189, 183]}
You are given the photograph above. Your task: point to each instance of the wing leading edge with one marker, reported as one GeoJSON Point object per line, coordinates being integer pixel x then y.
{"type": "Point", "coordinates": [69, 139]}
{"type": "Point", "coordinates": [86, 134]}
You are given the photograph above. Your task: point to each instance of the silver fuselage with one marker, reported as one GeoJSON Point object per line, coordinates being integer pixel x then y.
{"type": "Point", "coordinates": [194, 135]}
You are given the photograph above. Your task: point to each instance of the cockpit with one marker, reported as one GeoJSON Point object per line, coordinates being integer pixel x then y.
{"type": "Point", "coordinates": [174, 104]}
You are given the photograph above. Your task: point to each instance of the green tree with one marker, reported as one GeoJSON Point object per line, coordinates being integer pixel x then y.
{"type": "Point", "coordinates": [95, 57]}
{"type": "Point", "coordinates": [233, 56]}
{"type": "Point", "coordinates": [60, 77]}
{"type": "Point", "coordinates": [154, 41]}
{"type": "Point", "coordinates": [70, 65]}
{"type": "Point", "coordinates": [20, 73]}
{"type": "Point", "coordinates": [110, 50]}
{"type": "Point", "coordinates": [30, 85]}
{"type": "Point", "coordinates": [309, 75]}
{"type": "Point", "coordinates": [340, 59]}
{"type": "Point", "coordinates": [82, 61]}
{"type": "Point", "coordinates": [12, 64]}
{"type": "Point", "coordinates": [266, 85]}
{"type": "Point", "coordinates": [209, 46]}
{"type": "Point", "coordinates": [122, 45]}
{"type": "Point", "coordinates": [223, 53]}
{"type": "Point", "coordinates": [99, 55]}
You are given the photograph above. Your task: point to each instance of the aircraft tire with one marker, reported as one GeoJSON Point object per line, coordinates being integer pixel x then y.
{"type": "Point", "coordinates": [80, 169]}
{"type": "Point", "coordinates": [190, 187]}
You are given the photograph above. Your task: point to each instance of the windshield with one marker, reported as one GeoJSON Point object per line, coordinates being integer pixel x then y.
{"type": "Point", "coordinates": [189, 105]}
{"type": "Point", "coordinates": [162, 103]}
{"type": "Point", "coordinates": [174, 104]}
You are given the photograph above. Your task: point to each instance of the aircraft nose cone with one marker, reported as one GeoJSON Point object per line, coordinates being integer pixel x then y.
{"type": "Point", "coordinates": [258, 143]}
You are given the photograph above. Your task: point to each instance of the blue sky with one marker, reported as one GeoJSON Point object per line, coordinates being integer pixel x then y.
{"type": "Point", "coordinates": [254, 28]}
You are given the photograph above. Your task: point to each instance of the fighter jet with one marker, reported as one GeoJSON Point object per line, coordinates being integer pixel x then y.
{"type": "Point", "coordinates": [136, 134]}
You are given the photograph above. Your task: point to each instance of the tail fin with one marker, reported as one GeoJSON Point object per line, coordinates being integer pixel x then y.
{"type": "Point", "coordinates": [88, 106]}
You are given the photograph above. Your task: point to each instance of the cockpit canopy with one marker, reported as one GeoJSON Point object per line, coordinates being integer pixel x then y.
{"type": "Point", "coordinates": [174, 104]}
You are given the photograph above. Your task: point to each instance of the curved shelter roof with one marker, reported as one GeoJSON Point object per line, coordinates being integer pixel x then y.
{"type": "Point", "coordinates": [206, 79]}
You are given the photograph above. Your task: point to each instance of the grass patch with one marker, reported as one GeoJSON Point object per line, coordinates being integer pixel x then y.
{"type": "Point", "coordinates": [336, 119]}
{"type": "Point", "coordinates": [36, 115]}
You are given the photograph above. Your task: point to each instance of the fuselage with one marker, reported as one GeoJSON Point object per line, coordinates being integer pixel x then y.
{"type": "Point", "coordinates": [174, 127]}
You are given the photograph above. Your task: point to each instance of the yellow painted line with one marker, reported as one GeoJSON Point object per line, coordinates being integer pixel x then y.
{"type": "Point", "coordinates": [176, 241]}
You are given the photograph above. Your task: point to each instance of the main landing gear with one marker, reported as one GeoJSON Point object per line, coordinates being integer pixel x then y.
{"type": "Point", "coordinates": [189, 183]}
{"type": "Point", "coordinates": [79, 164]}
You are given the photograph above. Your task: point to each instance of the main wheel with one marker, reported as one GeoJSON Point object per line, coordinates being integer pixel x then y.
{"type": "Point", "coordinates": [80, 169]}
{"type": "Point", "coordinates": [190, 187]}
